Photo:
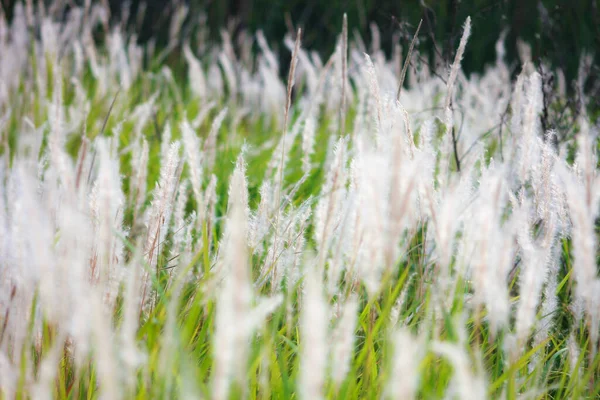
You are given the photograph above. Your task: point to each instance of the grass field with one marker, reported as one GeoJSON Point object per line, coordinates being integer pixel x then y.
{"type": "Point", "coordinates": [199, 228]}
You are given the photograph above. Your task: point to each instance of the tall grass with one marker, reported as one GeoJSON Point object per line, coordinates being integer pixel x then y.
{"type": "Point", "coordinates": [228, 235]}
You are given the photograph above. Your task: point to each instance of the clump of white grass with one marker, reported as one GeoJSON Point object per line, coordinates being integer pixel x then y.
{"type": "Point", "coordinates": [234, 236]}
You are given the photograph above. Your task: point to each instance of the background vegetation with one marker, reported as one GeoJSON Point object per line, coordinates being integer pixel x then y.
{"type": "Point", "coordinates": [559, 31]}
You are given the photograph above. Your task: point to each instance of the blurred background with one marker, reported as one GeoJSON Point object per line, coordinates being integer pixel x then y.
{"type": "Point", "coordinates": [558, 31]}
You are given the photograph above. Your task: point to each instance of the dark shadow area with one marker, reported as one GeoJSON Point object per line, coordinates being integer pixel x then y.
{"type": "Point", "coordinates": [558, 31]}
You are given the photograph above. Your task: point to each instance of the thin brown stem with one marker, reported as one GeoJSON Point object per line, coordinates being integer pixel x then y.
{"type": "Point", "coordinates": [407, 61]}
{"type": "Point", "coordinates": [288, 104]}
{"type": "Point", "coordinates": [454, 147]}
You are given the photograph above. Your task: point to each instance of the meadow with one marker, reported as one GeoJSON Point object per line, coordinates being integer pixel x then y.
{"type": "Point", "coordinates": [366, 229]}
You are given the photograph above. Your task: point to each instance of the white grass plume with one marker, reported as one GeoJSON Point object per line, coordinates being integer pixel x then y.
{"type": "Point", "coordinates": [313, 331]}
{"type": "Point", "coordinates": [343, 341]}
{"type": "Point", "coordinates": [403, 377]}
